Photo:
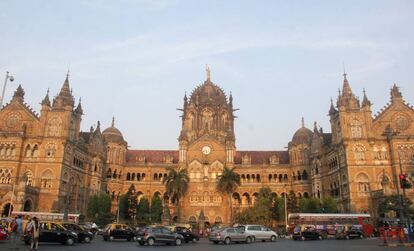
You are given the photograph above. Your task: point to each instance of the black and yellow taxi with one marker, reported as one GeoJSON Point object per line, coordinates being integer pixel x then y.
{"type": "Point", "coordinates": [84, 235]}
{"type": "Point", "coordinates": [118, 231]}
{"type": "Point", "coordinates": [53, 232]}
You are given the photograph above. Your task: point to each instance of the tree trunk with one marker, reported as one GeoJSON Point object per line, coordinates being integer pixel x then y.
{"type": "Point", "coordinates": [178, 211]}
{"type": "Point", "coordinates": [231, 209]}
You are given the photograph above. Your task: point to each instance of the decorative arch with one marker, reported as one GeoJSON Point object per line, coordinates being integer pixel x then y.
{"type": "Point", "coordinates": [218, 220]}
{"type": "Point", "coordinates": [192, 219]}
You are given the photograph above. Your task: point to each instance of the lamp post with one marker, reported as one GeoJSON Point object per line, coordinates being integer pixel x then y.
{"type": "Point", "coordinates": [67, 203]}
{"type": "Point", "coordinates": [286, 217]}
{"type": "Point", "coordinates": [8, 77]}
{"type": "Point", "coordinates": [402, 200]}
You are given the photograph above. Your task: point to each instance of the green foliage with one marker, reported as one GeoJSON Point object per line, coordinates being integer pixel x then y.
{"type": "Point", "coordinates": [99, 209]}
{"type": "Point", "coordinates": [278, 209]}
{"type": "Point", "coordinates": [266, 209]}
{"type": "Point", "coordinates": [176, 184]}
{"type": "Point", "coordinates": [156, 209]}
{"type": "Point", "coordinates": [143, 210]}
{"type": "Point", "coordinates": [309, 205]}
{"type": "Point", "coordinates": [227, 183]}
{"type": "Point", "coordinates": [392, 203]}
{"type": "Point", "coordinates": [132, 202]}
{"type": "Point", "coordinates": [123, 206]}
{"type": "Point", "coordinates": [292, 203]}
{"type": "Point", "coordinates": [329, 205]}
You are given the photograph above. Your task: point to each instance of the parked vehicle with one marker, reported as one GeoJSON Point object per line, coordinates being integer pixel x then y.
{"type": "Point", "coordinates": [187, 234]}
{"type": "Point", "coordinates": [83, 234]}
{"type": "Point", "coordinates": [307, 233]}
{"type": "Point", "coordinates": [3, 233]}
{"type": "Point", "coordinates": [351, 232]}
{"type": "Point", "coordinates": [260, 233]}
{"type": "Point", "coordinates": [118, 231]}
{"type": "Point", "coordinates": [229, 235]}
{"type": "Point", "coordinates": [153, 235]}
{"type": "Point", "coordinates": [53, 232]}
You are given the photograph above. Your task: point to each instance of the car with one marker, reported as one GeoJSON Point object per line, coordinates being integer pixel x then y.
{"type": "Point", "coordinates": [187, 234]}
{"type": "Point", "coordinates": [53, 232]}
{"type": "Point", "coordinates": [307, 233]}
{"type": "Point", "coordinates": [118, 231]}
{"type": "Point", "coordinates": [158, 234]}
{"type": "Point", "coordinates": [229, 235]}
{"type": "Point", "coordinates": [260, 233]}
{"type": "Point", "coordinates": [349, 233]}
{"type": "Point", "coordinates": [3, 233]}
{"type": "Point", "coordinates": [83, 234]}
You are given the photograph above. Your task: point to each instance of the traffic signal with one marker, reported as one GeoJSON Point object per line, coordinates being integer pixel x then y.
{"type": "Point", "coordinates": [404, 181]}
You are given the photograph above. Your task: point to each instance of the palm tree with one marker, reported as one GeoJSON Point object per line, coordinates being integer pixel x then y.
{"type": "Point", "coordinates": [227, 183]}
{"type": "Point", "coordinates": [176, 184]}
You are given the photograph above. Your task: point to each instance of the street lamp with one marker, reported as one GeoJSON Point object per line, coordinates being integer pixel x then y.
{"type": "Point", "coordinates": [8, 77]}
{"type": "Point", "coordinates": [286, 218]}
{"type": "Point", "coordinates": [402, 202]}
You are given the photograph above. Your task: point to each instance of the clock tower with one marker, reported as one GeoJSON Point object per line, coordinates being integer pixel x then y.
{"type": "Point", "coordinates": [206, 146]}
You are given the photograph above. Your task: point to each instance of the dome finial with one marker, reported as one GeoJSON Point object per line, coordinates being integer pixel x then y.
{"type": "Point", "coordinates": [208, 72]}
{"type": "Point", "coordinates": [303, 122]}
{"type": "Point", "coordinates": [113, 121]}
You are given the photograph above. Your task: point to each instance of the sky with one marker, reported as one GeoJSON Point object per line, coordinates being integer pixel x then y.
{"type": "Point", "coordinates": [135, 60]}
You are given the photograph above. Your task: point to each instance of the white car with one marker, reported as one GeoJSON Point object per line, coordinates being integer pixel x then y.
{"type": "Point", "coordinates": [260, 232]}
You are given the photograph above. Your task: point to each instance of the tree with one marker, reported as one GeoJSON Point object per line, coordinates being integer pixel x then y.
{"type": "Point", "coordinates": [329, 205]}
{"type": "Point", "coordinates": [132, 202]}
{"type": "Point", "coordinates": [156, 209]}
{"type": "Point", "coordinates": [123, 206]}
{"type": "Point", "coordinates": [309, 205]}
{"type": "Point", "coordinates": [176, 184]}
{"type": "Point", "coordinates": [227, 183]}
{"type": "Point", "coordinates": [278, 209]}
{"type": "Point", "coordinates": [292, 203]}
{"type": "Point", "coordinates": [143, 210]}
{"type": "Point", "coordinates": [392, 203]}
{"type": "Point", "coordinates": [99, 209]}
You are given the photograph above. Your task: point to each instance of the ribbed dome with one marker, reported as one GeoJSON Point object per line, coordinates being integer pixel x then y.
{"type": "Point", "coordinates": [302, 136]}
{"type": "Point", "coordinates": [112, 134]}
{"type": "Point", "coordinates": [208, 93]}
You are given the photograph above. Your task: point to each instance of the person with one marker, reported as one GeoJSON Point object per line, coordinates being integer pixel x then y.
{"type": "Point", "coordinates": [34, 229]}
{"type": "Point", "coordinates": [16, 228]}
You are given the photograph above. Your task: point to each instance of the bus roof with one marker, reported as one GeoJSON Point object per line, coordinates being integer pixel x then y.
{"type": "Point", "coordinates": [295, 215]}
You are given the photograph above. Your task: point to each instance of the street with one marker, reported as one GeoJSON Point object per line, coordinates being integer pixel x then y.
{"type": "Point", "coordinates": [99, 245]}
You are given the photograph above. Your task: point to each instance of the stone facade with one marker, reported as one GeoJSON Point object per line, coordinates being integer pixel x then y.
{"type": "Point", "coordinates": [359, 159]}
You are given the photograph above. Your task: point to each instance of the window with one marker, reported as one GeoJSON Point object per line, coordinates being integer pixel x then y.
{"type": "Point", "coordinates": [29, 179]}
{"type": "Point", "coordinates": [356, 128]}
{"type": "Point", "coordinates": [5, 176]}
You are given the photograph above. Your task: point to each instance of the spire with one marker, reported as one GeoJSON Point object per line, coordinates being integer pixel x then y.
{"type": "Point", "coordinates": [65, 94]}
{"type": "Point", "coordinates": [19, 94]}
{"type": "Point", "coordinates": [231, 99]}
{"type": "Point", "coordinates": [346, 88]}
{"type": "Point", "coordinates": [98, 127]}
{"type": "Point", "coordinates": [303, 122]}
{"type": "Point", "coordinates": [79, 109]}
{"type": "Point", "coordinates": [332, 109]}
{"type": "Point", "coordinates": [365, 100]}
{"type": "Point", "coordinates": [395, 93]}
{"type": "Point", "coordinates": [113, 122]}
{"type": "Point", "coordinates": [46, 100]}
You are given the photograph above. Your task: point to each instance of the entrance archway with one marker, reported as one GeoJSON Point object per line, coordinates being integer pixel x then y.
{"type": "Point", "coordinates": [6, 210]}
{"type": "Point", "coordinates": [28, 206]}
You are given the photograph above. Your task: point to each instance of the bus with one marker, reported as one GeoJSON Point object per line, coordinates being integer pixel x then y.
{"type": "Point", "coordinates": [329, 222]}
{"type": "Point", "coordinates": [43, 216]}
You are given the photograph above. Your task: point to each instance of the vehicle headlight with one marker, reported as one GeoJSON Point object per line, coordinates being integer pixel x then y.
{"type": "Point", "coordinates": [90, 233]}
{"type": "Point", "coordinates": [75, 234]}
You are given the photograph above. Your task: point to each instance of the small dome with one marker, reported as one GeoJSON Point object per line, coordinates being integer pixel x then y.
{"type": "Point", "coordinates": [112, 134]}
{"type": "Point", "coordinates": [208, 93]}
{"type": "Point", "coordinates": [302, 136]}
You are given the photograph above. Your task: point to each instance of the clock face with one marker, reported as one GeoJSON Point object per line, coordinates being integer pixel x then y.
{"type": "Point", "coordinates": [206, 150]}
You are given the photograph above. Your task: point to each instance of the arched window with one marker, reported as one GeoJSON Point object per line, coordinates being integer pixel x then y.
{"type": "Point", "coordinates": [304, 175]}
{"type": "Point", "coordinates": [46, 181]}
{"type": "Point", "coordinates": [128, 177]}
{"type": "Point", "coordinates": [133, 176]}
{"type": "Point", "coordinates": [5, 176]}
{"type": "Point", "coordinates": [35, 151]}
{"type": "Point", "coordinates": [28, 151]}
{"type": "Point", "coordinates": [356, 128]}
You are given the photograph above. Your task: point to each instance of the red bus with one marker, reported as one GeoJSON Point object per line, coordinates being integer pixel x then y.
{"type": "Point", "coordinates": [329, 222]}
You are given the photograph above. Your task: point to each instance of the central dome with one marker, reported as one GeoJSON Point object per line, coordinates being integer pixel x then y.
{"type": "Point", "coordinates": [112, 134]}
{"type": "Point", "coordinates": [208, 93]}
